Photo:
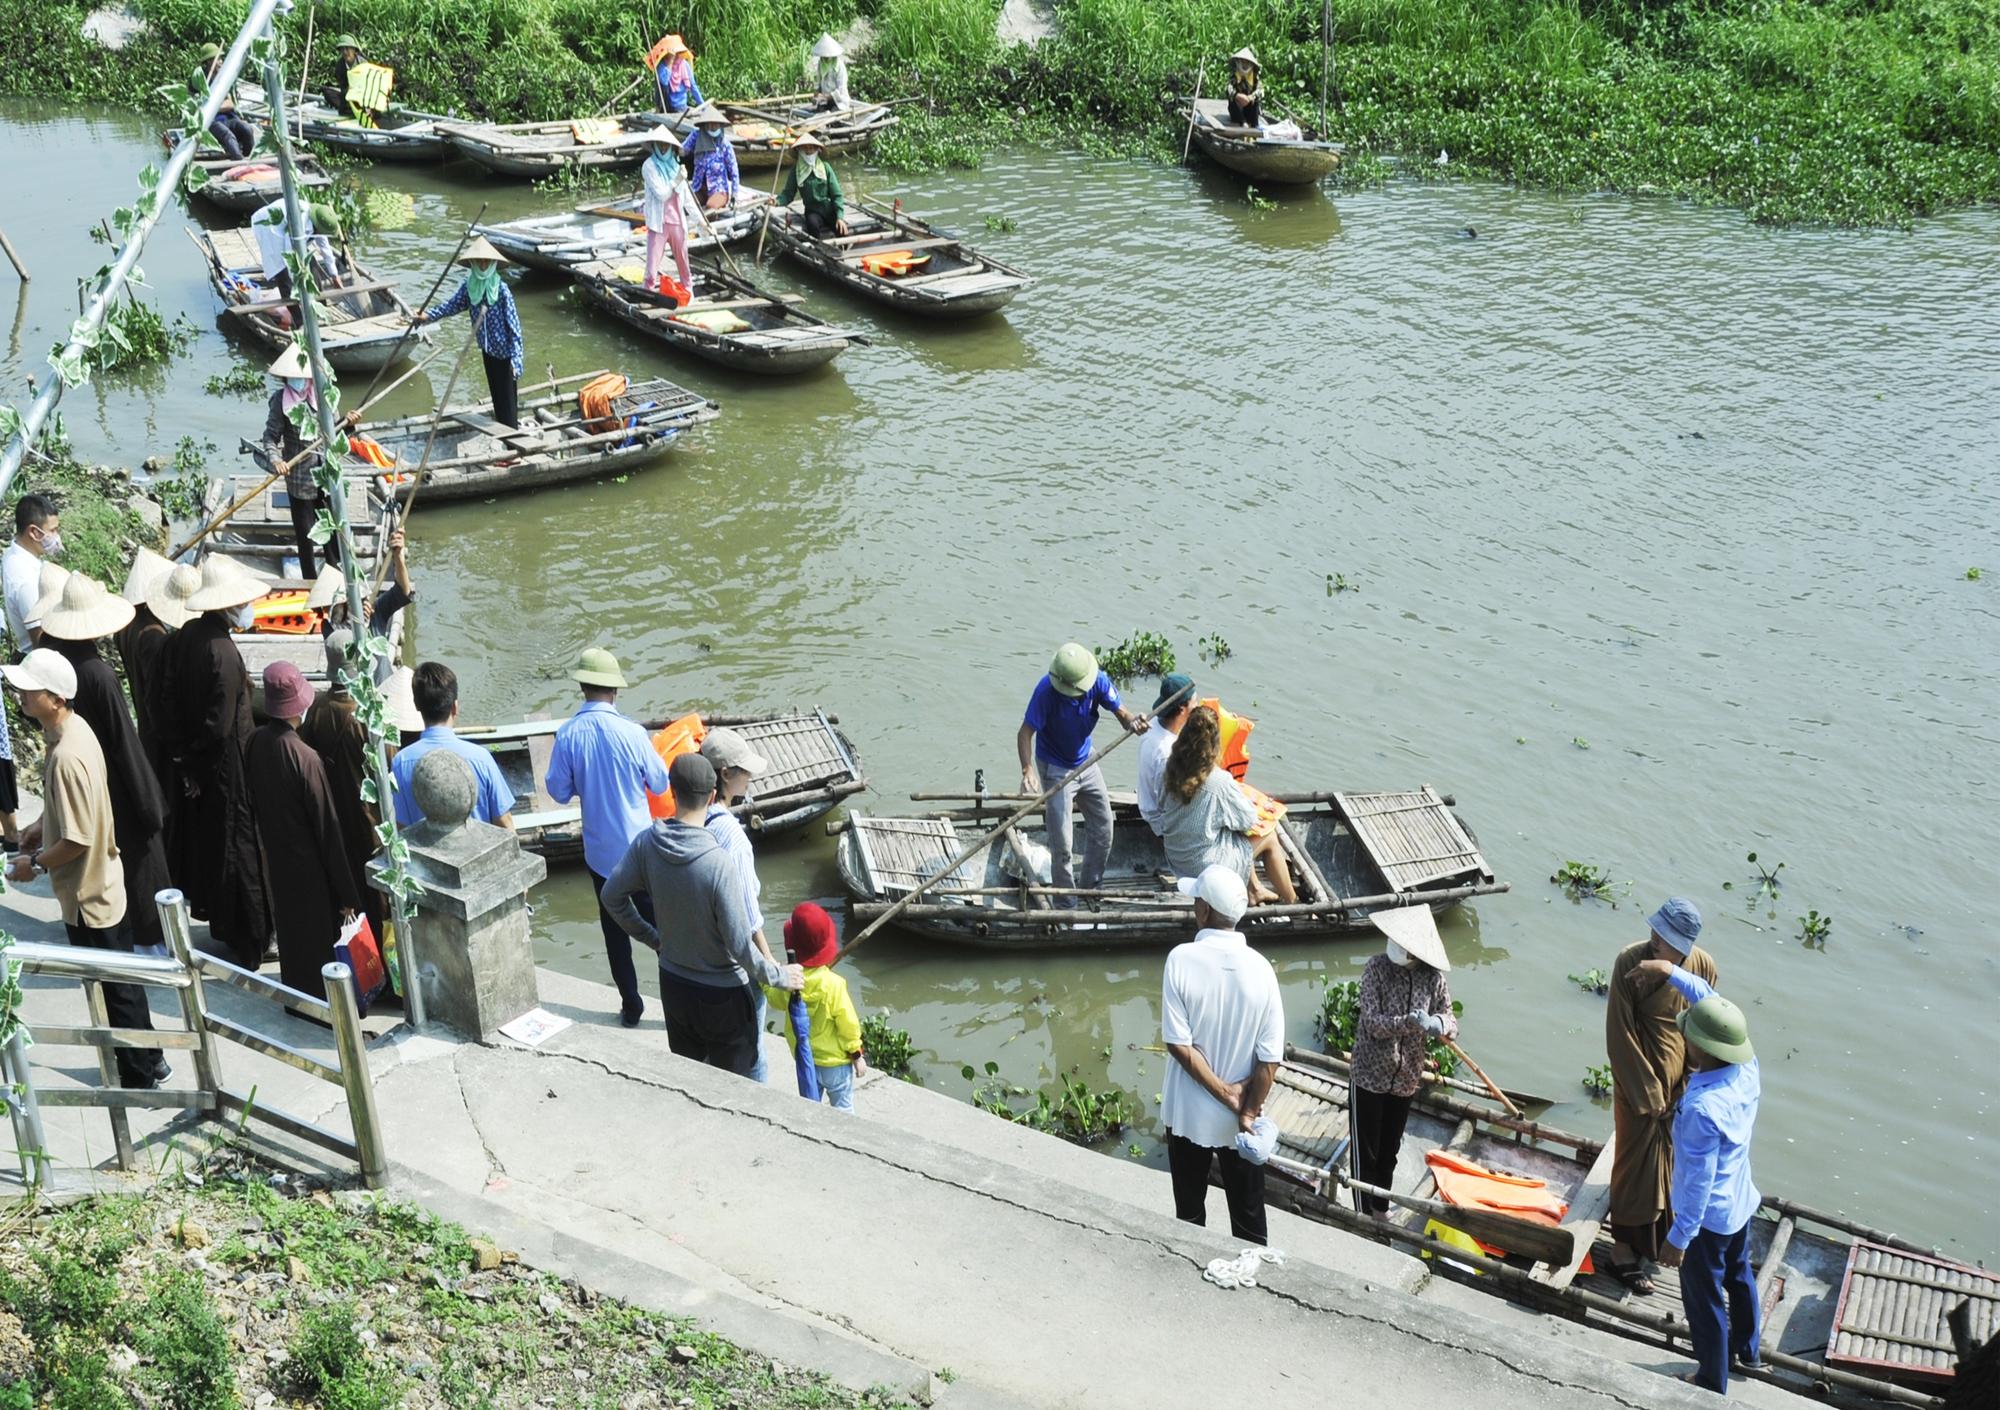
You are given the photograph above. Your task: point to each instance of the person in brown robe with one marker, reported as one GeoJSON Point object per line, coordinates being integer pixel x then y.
{"type": "Point", "coordinates": [334, 729]}
{"type": "Point", "coordinates": [139, 644]}
{"type": "Point", "coordinates": [205, 725]}
{"type": "Point", "coordinates": [1648, 1071]}
{"type": "Point", "coordinates": [300, 830]}
{"type": "Point", "coordinates": [72, 619]}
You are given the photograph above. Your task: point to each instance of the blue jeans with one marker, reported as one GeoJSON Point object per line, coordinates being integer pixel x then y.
{"type": "Point", "coordinates": [760, 1071]}
{"type": "Point", "coordinates": [836, 1084]}
{"type": "Point", "coordinates": [1719, 1296]}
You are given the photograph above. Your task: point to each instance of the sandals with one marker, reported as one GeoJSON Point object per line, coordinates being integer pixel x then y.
{"type": "Point", "coordinates": [1633, 1276]}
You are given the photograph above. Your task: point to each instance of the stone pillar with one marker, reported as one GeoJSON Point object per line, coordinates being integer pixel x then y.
{"type": "Point", "coordinates": [474, 956]}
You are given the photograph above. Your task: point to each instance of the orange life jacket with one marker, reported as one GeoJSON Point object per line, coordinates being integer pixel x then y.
{"type": "Point", "coordinates": [673, 739]}
{"type": "Point", "coordinates": [593, 401]}
{"type": "Point", "coordinates": [894, 264]}
{"type": "Point", "coordinates": [1235, 758]}
{"type": "Point", "coordinates": [369, 452]}
{"type": "Point", "coordinates": [285, 614]}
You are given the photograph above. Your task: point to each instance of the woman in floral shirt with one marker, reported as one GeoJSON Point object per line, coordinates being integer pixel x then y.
{"type": "Point", "coordinates": [1405, 1002]}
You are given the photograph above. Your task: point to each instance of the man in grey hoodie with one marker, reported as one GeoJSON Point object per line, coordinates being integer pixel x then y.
{"type": "Point", "coordinates": [709, 960]}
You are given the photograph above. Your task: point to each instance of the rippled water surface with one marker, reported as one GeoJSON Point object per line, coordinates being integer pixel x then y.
{"type": "Point", "coordinates": [1699, 496]}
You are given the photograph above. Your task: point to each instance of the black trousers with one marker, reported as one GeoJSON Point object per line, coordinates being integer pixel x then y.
{"type": "Point", "coordinates": [506, 391]}
{"type": "Point", "coordinates": [124, 1004]}
{"type": "Point", "coordinates": [1378, 1121]}
{"type": "Point", "coordinates": [818, 226]}
{"type": "Point", "coordinates": [1242, 1183]}
{"type": "Point", "coordinates": [1242, 114]}
{"type": "Point", "coordinates": [305, 514]}
{"type": "Point", "coordinates": [711, 1023]}
{"type": "Point", "coordinates": [618, 949]}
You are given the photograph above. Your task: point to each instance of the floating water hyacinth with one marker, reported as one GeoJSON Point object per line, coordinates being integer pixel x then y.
{"type": "Point", "coordinates": [388, 210]}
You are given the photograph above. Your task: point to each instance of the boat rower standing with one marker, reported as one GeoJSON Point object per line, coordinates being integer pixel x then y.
{"type": "Point", "coordinates": [1054, 739]}
{"type": "Point", "coordinates": [496, 323]}
{"type": "Point", "coordinates": [830, 76]}
{"type": "Point", "coordinates": [813, 183]}
{"type": "Point", "coordinates": [666, 222]}
{"type": "Point", "coordinates": [1246, 89]}
{"type": "Point", "coordinates": [285, 448]}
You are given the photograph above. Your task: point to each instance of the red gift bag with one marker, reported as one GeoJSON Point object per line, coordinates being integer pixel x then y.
{"type": "Point", "coordinates": [357, 949]}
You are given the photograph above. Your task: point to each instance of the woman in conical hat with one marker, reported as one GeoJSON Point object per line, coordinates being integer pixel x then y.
{"type": "Point", "coordinates": [287, 432]}
{"type": "Point", "coordinates": [496, 324]}
{"type": "Point", "coordinates": [710, 159]}
{"type": "Point", "coordinates": [1246, 89]}
{"type": "Point", "coordinates": [660, 202]}
{"type": "Point", "coordinates": [829, 65]}
{"type": "Point", "coordinates": [1405, 1003]}
{"type": "Point", "coordinates": [673, 76]}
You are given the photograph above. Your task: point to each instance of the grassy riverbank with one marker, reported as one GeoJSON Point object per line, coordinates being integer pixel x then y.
{"type": "Point", "coordinates": [1848, 112]}
{"type": "Point", "coordinates": [241, 1291]}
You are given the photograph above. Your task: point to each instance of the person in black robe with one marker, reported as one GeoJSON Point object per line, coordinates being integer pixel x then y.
{"type": "Point", "coordinates": [300, 830]}
{"type": "Point", "coordinates": [205, 725]}
{"type": "Point", "coordinates": [72, 620]}
{"type": "Point", "coordinates": [334, 729]}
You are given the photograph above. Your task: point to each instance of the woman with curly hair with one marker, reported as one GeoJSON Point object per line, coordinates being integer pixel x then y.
{"type": "Point", "coordinates": [1205, 820]}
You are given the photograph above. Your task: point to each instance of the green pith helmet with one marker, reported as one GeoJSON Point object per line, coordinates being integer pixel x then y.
{"type": "Point", "coordinates": [1718, 1028]}
{"type": "Point", "coordinates": [596, 666]}
{"type": "Point", "coordinates": [209, 51]}
{"type": "Point", "coordinates": [1074, 670]}
{"type": "Point", "coordinates": [325, 220]}
{"type": "Point", "coordinates": [346, 41]}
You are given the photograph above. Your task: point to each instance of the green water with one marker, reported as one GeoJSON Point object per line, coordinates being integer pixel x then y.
{"type": "Point", "coordinates": [1699, 495]}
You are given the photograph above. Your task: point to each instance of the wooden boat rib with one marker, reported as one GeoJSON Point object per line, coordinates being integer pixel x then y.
{"type": "Point", "coordinates": [1254, 153]}
{"type": "Point", "coordinates": [776, 336]}
{"type": "Point", "coordinates": [396, 135]}
{"type": "Point", "coordinates": [762, 130]}
{"type": "Point", "coordinates": [956, 280]}
{"type": "Point", "coordinates": [812, 767]}
{"type": "Point", "coordinates": [1339, 874]}
{"type": "Point", "coordinates": [362, 323]}
{"type": "Point", "coordinates": [1812, 1268]}
{"type": "Point", "coordinates": [612, 230]}
{"type": "Point", "coordinates": [536, 149]}
{"type": "Point", "coordinates": [475, 455]}
{"type": "Point", "coordinates": [246, 195]}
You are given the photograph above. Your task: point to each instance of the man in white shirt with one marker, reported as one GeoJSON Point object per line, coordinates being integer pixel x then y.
{"type": "Point", "coordinates": [1158, 742]}
{"type": "Point", "coordinates": [35, 538]}
{"type": "Point", "coordinates": [1223, 1021]}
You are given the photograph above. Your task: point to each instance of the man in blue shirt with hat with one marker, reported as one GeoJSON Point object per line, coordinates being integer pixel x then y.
{"type": "Point", "coordinates": [1053, 739]}
{"type": "Point", "coordinates": [1714, 1198]}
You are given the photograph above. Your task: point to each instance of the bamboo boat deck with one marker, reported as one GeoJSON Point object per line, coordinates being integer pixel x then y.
{"type": "Point", "coordinates": [955, 280]}
{"type": "Point", "coordinates": [535, 149]}
{"type": "Point", "coordinates": [614, 231]}
{"type": "Point", "coordinates": [361, 329]}
{"type": "Point", "coordinates": [245, 196]}
{"type": "Point", "coordinates": [397, 134]}
{"type": "Point", "coordinates": [777, 337]}
{"type": "Point", "coordinates": [260, 533]}
{"type": "Point", "coordinates": [1890, 1317]}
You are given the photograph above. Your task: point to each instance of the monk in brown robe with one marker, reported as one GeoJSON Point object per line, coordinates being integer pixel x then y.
{"type": "Point", "coordinates": [334, 729]}
{"type": "Point", "coordinates": [139, 644]}
{"type": "Point", "coordinates": [301, 834]}
{"type": "Point", "coordinates": [204, 727]}
{"type": "Point", "coordinates": [72, 619]}
{"type": "Point", "coordinates": [1648, 1071]}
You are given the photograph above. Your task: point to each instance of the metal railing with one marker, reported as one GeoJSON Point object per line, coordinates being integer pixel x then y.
{"type": "Point", "coordinates": [184, 971]}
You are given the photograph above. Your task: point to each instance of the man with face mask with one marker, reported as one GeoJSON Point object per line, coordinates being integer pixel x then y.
{"type": "Point", "coordinates": [285, 447]}
{"type": "Point", "coordinates": [736, 764]}
{"type": "Point", "coordinates": [812, 181]}
{"type": "Point", "coordinates": [205, 727]}
{"type": "Point", "coordinates": [1405, 1002]}
{"type": "Point", "coordinates": [36, 537]}
{"type": "Point", "coordinates": [711, 160]}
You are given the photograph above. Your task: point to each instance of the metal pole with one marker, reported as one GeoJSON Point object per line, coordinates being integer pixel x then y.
{"type": "Point", "coordinates": [358, 610]}
{"type": "Point", "coordinates": [92, 317]}
{"type": "Point", "coordinates": [175, 924]}
{"type": "Point", "coordinates": [348, 1043]}
{"type": "Point", "coordinates": [26, 1110]}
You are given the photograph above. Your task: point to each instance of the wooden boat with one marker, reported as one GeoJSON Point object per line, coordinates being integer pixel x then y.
{"type": "Point", "coordinates": [812, 767]}
{"type": "Point", "coordinates": [537, 149]}
{"type": "Point", "coordinates": [731, 321]}
{"type": "Point", "coordinates": [612, 230]}
{"type": "Point", "coordinates": [362, 322]}
{"type": "Point", "coordinates": [1350, 854]}
{"type": "Point", "coordinates": [260, 533]}
{"type": "Point", "coordinates": [1855, 1309]}
{"type": "Point", "coordinates": [395, 135]}
{"type": "Point", "coordinates": [762, 130]}
{"type": "Point", "coordinates": [953, 281]}
{"type": "Point", "coordinates": [252, 191]}
{"type": "Point", "coordinates": [474, 455]}
{"type": "Point", "coordinates": [1255, 152]}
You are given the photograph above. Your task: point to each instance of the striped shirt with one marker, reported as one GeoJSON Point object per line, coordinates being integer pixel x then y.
{"type": "Point", "coordinates": [734, 841]}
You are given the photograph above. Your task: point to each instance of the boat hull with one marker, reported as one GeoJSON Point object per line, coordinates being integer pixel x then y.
{"type": "Point", "coordinates": [505, 152]}
{"type": "Point", "coordinates": [1266, 161]}
{"type": "Point", "coordinates": [973, 286]}
{"type": "Point", "coordinates": [783, 342]}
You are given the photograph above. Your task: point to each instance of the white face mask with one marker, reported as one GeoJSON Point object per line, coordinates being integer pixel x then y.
{"type": "Point", "coordinates": [1398, 955]}
{"type": "Point", "coordinates": [51, 545]}
{"type": "Point", "coordinates": [810, 161]}
{"type": "Point", "coordinates": [242, 619]}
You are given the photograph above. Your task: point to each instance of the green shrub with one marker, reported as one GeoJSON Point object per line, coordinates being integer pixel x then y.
{"type": "Point", "coordinates": [887, 1048]}
{"type": "Point", "coordinates": [190, 1365]}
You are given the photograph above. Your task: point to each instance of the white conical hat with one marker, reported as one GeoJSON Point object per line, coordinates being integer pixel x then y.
{"type": "Point", "coordinates": [827, 48]}
{"type": "Point", "coordinates": [481, 248]}
{"type": "Point", "coordinates": [149, 570]}
{"type": "Point", "coordinates": [1415, 929]}
{"type": "Point", "coordinates": [292, 362]}
{"type": "Point", "coordinates": [82, 610]}
{"type": "Point", "coordinates": [168, 600]}
{"type": "Point", "coordinates": [226, 583]}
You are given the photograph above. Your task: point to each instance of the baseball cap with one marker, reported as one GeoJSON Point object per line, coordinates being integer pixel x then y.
{"type": "Point", "coordinates": [1223, 889]}
{"type": "Point", "coordinates": [43, 669]}
{"type": "Point", "coordinates": [726, 749]}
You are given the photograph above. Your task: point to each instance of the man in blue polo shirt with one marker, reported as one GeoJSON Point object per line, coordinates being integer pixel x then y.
{"type": "Point", "coordinates": [435, 690]}
{"type": "Point", "coordinates": [605, 761]}
{"type": "Point", "coordinates": [1054, 738]}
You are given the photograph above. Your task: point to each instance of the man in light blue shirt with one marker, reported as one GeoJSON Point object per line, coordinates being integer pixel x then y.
{"type": "Point", "coordinates": [435, 689]}
{"type": "Point", "coordinates": [1713, 1196]}
{"type": "Point", "coordinates": [605, 761]}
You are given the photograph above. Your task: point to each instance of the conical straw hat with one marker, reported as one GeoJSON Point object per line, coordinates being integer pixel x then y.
{"type": "Point", "coordinates": [226, 583]}
{"type": "Point", "coordinates": [481, 248]}
{"type": "Point", "coordinates": [1415, 929]}
{"type": "Point", "coordinates": [49, 580]}
{"type": "Point", "coordinates": [827, 48]}
{"type": "Point", "coordinates": [83, 610]}
{"type": "Point", "coordinates": [292, 362]}
{"type": "Point", "coordinates": [149, 570]}
{"type": "Point", "coordinates": [168, 600]}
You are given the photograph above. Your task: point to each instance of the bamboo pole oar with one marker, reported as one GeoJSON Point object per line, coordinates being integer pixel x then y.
{"type": "Point", "coordinates": [723, 249]}
{"type": "Point", "coordinates": [13, 257]}
{"type": "Point", "coordinates": [988, 839]}
{"type": "Point", "coordinates": [1545, 1243]}
{"type": "Point", "coordinates": [465, 238]}
{"type": "Point", "coordinates": [765, 229]}
{"type": "Point", "coordinates": [212, 525]}
{"type": "Point", "coordinates": [305, 68]}
{"type": "Point", "coordinates": [1480, 1073]}
{"type": "Point", "coordinates": [1188, 141]}
{"type": "Point", "coordinates": [423, 463]}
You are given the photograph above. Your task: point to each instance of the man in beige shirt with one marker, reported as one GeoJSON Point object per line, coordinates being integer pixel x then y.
{"type": "Point", "coordinates": [75, 842]}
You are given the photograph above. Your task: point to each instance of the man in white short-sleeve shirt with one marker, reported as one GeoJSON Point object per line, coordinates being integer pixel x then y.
{"type": "Point", "coordinates": [1223, 1021]}
{"type": "Point", "coordinates": [1158, 742]}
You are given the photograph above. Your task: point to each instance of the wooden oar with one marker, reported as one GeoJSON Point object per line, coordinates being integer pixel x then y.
{"type": "Point", "coordinates": [1544, 1243]}
{"type": "Point", "coordinates": [769, 206]}
{"type": "Point", "coordinates": [1006, 826]}
{"type": "Point", "coordinates": [464, 239]}
{"type": "Point", "coordinates": [606, 109]}
{"type": "Point", "coordinates": [1480, 1073]}
{"type": "Point", "coordinates": [423, 463]}
{"type": "Point", "coordinates": [1188, 141]}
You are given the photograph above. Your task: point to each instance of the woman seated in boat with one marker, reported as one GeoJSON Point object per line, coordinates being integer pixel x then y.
{"type": "Point", "coordinates": [711, 160]}
{"type": "Point", "coordinates": [1205, 819]}
{"type": "Point", "coordinates": [812, 182]}
{"type": "Point", "coordinates": [673, 76]}
{"type": "Point", "coordinates": [236, 137]}
{"type": "Point", "coordinates": [830, 76]}
{"type": "Point", "coordinates": [347, 52]}
{"type": "Point", "coordinates": [1246, 89]}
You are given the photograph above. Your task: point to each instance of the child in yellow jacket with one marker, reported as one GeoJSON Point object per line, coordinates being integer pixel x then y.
{"type": "Point", "coordinates": [836, 1025]}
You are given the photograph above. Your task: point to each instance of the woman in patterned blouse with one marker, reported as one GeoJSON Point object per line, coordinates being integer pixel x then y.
{"type": "Point", "coordinates": [1405, 1002]}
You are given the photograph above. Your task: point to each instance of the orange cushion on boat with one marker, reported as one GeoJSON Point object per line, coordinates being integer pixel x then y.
{"type": "Point", "coordinates": [1473, 1186]}
{"type": "Point", "coordinates": [893, 264]}
{"type": "Point", "coordinates": [251, 171]}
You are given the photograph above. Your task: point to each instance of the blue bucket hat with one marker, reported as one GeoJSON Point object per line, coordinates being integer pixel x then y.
{"type": "Point", "coordinates": [1677, 922]}
{"type": "Point", "coordinates": [1172, 684]}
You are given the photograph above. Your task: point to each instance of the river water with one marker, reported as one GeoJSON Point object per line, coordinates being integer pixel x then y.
{"type": "Point", "coordinates": [1659, 525]}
